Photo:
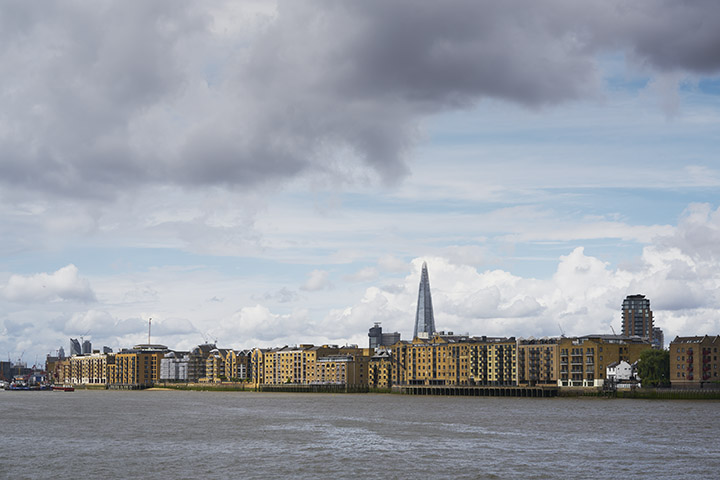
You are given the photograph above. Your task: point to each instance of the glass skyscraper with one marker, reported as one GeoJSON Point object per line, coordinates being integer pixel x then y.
{"type": "Point", "coordinates": [75, 347]}
{"type": "Point", "coordinates": [424, 318]}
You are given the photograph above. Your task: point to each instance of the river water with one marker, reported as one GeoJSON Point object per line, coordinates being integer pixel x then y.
{"type": "Point", "coordinates": [179, 435]}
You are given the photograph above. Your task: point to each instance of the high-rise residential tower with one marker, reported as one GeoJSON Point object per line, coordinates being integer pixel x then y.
{"type": "Point", "coordinates": [637, 317]}
{"type": "Point", "coordinates": [424, 318]}
{"type": "Point", "coordinates": [658, 338]}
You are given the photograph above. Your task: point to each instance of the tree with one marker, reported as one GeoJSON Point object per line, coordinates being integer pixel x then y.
{"type": "Point", "coordinates": [654, 368]}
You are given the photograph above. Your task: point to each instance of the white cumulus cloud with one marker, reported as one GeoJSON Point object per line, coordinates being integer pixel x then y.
{"type": "Point", "coordinates": [63, 285]}
{"type": "Point", "coordinates": [317, 280]}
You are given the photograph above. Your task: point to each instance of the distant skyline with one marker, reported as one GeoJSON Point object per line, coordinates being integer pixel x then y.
{"type": "Point", "coordinates": [262, 173]}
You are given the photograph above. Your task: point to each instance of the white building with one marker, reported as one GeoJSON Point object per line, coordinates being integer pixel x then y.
{"type": "Point", "coordinates": [174, 366]}
{"type": "Point", "coordinates": [620, 371]}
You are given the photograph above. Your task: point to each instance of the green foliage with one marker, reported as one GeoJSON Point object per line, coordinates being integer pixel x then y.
{"type": "Point", "coordinates": [654, 368]}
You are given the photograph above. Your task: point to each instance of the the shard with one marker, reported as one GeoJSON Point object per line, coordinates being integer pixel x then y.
{"type": "Point", "coordinates": [424, 318]}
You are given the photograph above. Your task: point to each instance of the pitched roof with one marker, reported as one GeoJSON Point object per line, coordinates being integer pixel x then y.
{"type": "Point", "coordinates": [697, 339]}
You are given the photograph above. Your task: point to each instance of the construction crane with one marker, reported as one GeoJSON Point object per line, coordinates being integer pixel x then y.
{"type": "Point", "coordinates": [207, 337]}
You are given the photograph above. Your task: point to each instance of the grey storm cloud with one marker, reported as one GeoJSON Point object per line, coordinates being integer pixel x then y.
{"type": "Point", "coordinates": [111, 95]}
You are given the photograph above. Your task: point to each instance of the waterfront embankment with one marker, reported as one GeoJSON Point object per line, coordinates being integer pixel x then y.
{"type": "Point", "coordinates": [469, 391]}
{"type": "Point", "coordinates": [207, 387]}
{"type": "Point", "coordinates": [644, 393]}
{"type": "Point", "coordinates": [669, 394]}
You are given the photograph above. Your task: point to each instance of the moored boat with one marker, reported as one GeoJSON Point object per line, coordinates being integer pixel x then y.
{"type": "Point", "coordinates": [62, 388]}
{"type": "Point", "coordinates": [18, 386]}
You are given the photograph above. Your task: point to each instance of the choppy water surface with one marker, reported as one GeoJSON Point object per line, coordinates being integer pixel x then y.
{"type": "Point", "coordinates": [168, 434]}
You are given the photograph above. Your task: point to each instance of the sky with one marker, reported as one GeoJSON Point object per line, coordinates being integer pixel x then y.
{"type": "Point", "coordinates": [263, 173]}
